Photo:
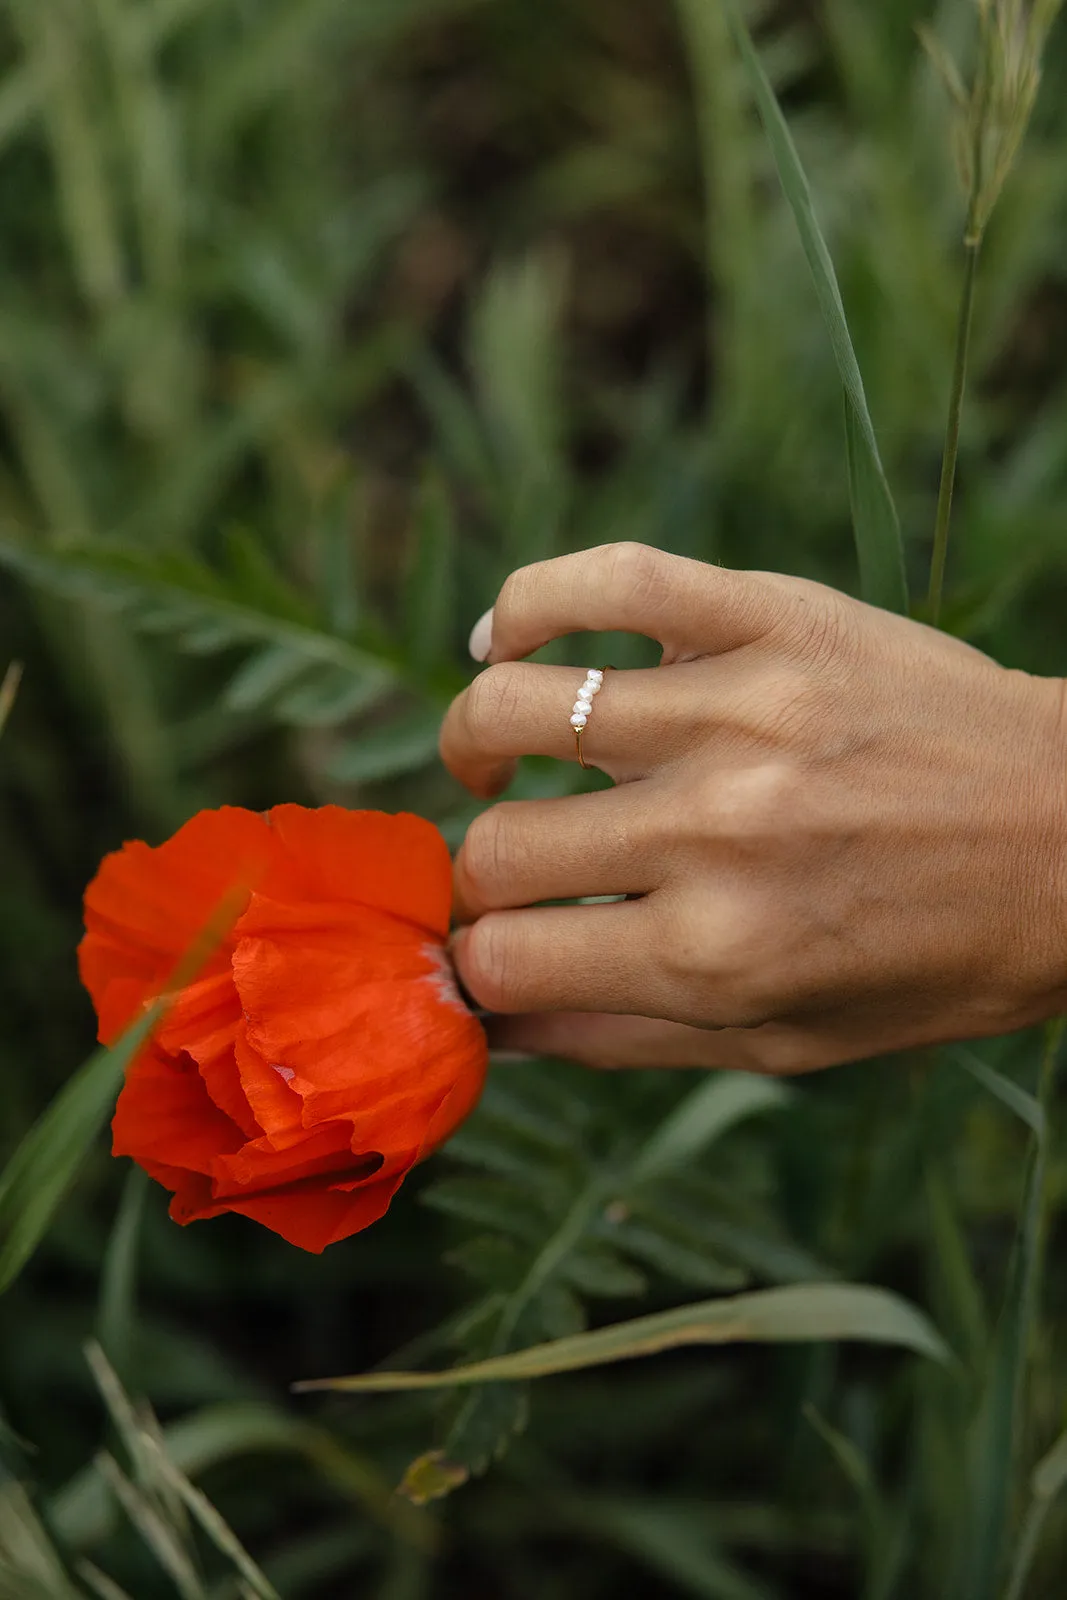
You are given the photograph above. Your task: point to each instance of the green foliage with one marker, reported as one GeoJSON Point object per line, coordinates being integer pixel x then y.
{"type": "Point", "coordinates": [36, 1179]}
{"type": "Point", "coordinates": [578, 1213]}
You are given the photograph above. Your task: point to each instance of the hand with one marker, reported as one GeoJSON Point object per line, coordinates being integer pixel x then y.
{"type": "Point", "coordinates": [846, 833]}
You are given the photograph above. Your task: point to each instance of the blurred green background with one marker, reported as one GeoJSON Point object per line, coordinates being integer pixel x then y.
{"type": "Point", "coordinates": [316, 318]}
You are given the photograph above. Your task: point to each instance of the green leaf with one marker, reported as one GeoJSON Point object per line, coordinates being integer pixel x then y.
{"type": "Point", "coordinates": [30, 1566]}
{"type": "Point", "coordinates": [330, 696]}
{"type": "Point", "coordinates": [1025, 1107]}
{"type": "Point", "coordinates": [797, 1314]}
{"type": "Point", "coordinates": [165, 1543]}
{"type": "Point", "coordinates": [704, 1116]}
{"type": "Point", "coordinates": [213, 1524]}
{"type": "Point", "coordinates": [857, 1472]}
{"type": "Point", "coordinates": [403, 745]}
{"type": "Point", "coordinates": [955, 1291]}
{"type": "Point", "coordinates": [679, 1259]}
{"type": "Point", "coordinates": [430, 600]}
{"type": "Point", "coordinates": [599, 1272]}
{"type": "Point", "coordinates": [672, 1543]}
{"type": "Point", "coordinates": [431, 1477]}
{"type": "Point", "coordinates": [262, 677]}
{"type": "Point", "coordinates": [488, 1202]}
{"type": "Point", "coordinates": [164, 592]}
{"type": "Point", "coordinates": [994, 1450]}
{"type": "Point", "coordinates": [875, 523]}
{"type": "Point", "coordinates": [116, 1320]}
{"type": "Point", "coordinates": [9, 688]}
{"type": "Point", "coordinates": [1048, 1480]}
{"type": "Point", "coordinates": [46, 1163]}
{"type": "Point", "coordinates": [485, 1423]}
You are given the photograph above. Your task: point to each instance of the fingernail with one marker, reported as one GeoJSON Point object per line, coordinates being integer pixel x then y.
{"type": "Point", "coordinates": [482, 636]}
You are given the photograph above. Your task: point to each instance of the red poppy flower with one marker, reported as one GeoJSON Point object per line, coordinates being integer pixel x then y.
{"type": "Point", "coordinates": [322, 1049]}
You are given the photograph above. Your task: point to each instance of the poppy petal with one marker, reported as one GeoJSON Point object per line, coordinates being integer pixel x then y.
{"type": "Point", "coordinates": [393, 863]}
{"type": "Point", "coordinates": [275, 1105]}
{"type": "Point", "coordinates": [146, 906]}
{"type": "Point", "coordinates": [361, 1014]}
{"type": "Point", "coordinates": [165, 1114]}
{"type": "Point", "coordinates": [203, 1021]}
{"type": "Point", "coordinates": [310, 1217]}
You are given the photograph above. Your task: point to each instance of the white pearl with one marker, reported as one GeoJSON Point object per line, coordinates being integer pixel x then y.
{"type": "Point", "coordinates": [578, 720]}
{"type": "Point", "coordinates": [585, 698]}
{"type": "Point", "coordinates": [581, 708]}
{"type": "Point", "coordinates": [591, 688]}
{"type": "Point", "coordinates": [595, 675]}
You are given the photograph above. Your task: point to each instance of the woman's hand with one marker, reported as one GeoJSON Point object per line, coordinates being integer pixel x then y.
{"type": "Point", "coordinates": [845, 833]}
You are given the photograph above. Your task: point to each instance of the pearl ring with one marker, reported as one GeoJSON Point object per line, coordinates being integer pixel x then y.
{"type": "Point", "coordinates": [594, 682]}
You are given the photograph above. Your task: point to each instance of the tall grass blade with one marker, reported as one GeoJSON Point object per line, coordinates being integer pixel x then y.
{"type": "Point", "coordinates": [796, 1314]}
{"type": "Point", "coordinates": [46, 1163]}
{"type": "Point", "coordinates": [995, 1444]}
{"type": "Point", "coordinates": [9, 688]}
{"type": "Point", "coordinates": [875, 523]}
{"type": "Point", "coordinates": [1048, 1480]}
{"type": "Point", "coordinates": [153, 1528]}
{"type": "Point", "coordinates": [1025, 1107]}
{"type": "Point", "coordinates": [118, 1284]}
{"type": "Point", "coordinates": [704, 1116]}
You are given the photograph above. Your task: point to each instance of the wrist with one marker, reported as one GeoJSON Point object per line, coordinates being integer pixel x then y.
{"type": "Point", "coordinates": [1047, 927]}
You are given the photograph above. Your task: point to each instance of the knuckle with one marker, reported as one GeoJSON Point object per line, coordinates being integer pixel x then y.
{"type": "Point", "coordinates": [719, 964]}
{"type": "Point", "coordinates": [487, 851]}
{"type": "Point", "coordinates": [489, 963]}
{"type": "Point", "coordinates": [636, 572]}
{"type": "Point", "coordinates": [824, 626]}
{"type": "Point", "coordinates": [750, 810]}
{"type": "Point", "coordinates": [492, 700]}
{"type": "Point", "coordinates": [512, 600]}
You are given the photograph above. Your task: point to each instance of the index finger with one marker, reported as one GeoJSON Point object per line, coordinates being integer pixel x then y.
{"type": "Point", "coordinates": [690, 607]}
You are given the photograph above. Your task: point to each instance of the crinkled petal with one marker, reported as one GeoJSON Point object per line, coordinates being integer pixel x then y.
{"type": "Point", "coordinates": [325, 1154]}
{"type": "Point", "coordinates": [146, 906]}
{"type": "Point", "coordinates": [275, 1105]}
{"type": "Point", "coordinates": [396, 864]}
{"type": "Point", "coordinates": [204, 1021]}
{"type": "Point", "coordinates": [361, 1013]}
{"type": "Point", "coordinates": [307, 1215]}
{"type": "Point", "coordinates": [165, 1115]}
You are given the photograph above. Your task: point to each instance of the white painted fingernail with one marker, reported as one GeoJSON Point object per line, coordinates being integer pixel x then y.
{"type": "Point", "coordinates": [482, 636]}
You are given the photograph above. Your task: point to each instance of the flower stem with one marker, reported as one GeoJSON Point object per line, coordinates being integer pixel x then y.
{"type": "Point", "coordinates": [952, 433]}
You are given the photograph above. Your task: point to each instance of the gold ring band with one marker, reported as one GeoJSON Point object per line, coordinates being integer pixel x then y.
{"type": "Point", "coordinates": [583, 706]}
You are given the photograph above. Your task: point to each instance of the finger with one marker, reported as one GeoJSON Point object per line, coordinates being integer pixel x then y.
{"type": "Point", "coordinates": [599, 1040]}
{"type": "Point", "coordinates": [688, 606]}
{"type": "Point", "coordinates": [518, 709]}
{"type": "Point", "coordinates": [567, 958]}
{"type": "Point", "coordinates": [523, 851]}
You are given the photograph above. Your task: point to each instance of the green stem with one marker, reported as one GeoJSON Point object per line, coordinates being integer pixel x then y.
{"type": "Point", "coordinates": [952, 433]}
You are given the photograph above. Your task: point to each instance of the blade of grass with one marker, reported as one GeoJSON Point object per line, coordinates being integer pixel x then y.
{"type": "Point", "coordinates": [157, 1535]}
{"type": "Point", "coordinates": [8, 690]}
{"type": "Point", "coordinates": [214, 1525]}
{"type": "Point", "coordinates": [46, 1162]}
{"type": "Point", "coordinates": [798, 1313]}
{"type": "Point", "coordinates": [995, 1443]}
{"type": "Point", "coordinates": [1008, 1093]}
{"type": "Point", "coordinates": [704, 1116]}
{"type": "Point", "coordinates": [43, 1168]}
{"type": "Point", "coordinates": [875, 524]}
{"type": "Point", "coordinates": [117, 1313]}
{"type": "Point", "coordinates": [104, 1587]}
{"type": "Point", "coordinates": [1048, 1480]}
